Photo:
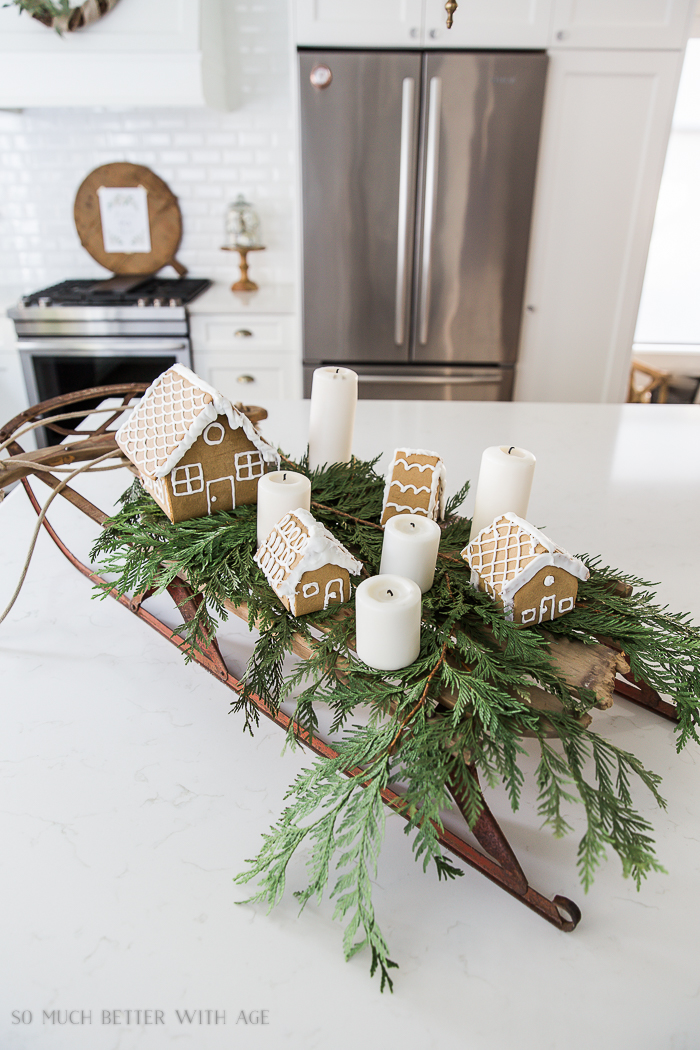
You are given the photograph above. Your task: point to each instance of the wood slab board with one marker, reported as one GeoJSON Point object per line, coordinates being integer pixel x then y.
{"type": "Point", "coordinates": [164, 217]}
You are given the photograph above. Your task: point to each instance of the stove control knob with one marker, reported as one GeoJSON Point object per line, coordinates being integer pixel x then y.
{"type": "Point", "coordinates": [45, 300]}
{"type": "Point", "coordinates": [175, 302]}
{"type": "Point", "coordinates": [142, 302]}
{"type": "Point", "coordinates": [157, 302]}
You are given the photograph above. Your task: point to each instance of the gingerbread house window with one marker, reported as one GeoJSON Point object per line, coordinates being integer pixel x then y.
{"type": "Point", "coordinates": [310, 589]}
{"type": "Point", "coordinates": [188, 479]}
{"type": "Point", "coordinates": [249, 465]}
{"type": "Point", "coordinates": [214, 434]}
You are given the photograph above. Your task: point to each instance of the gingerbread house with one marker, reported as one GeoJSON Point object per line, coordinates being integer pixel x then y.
{"type": "Point", "coordinates": [415, 484]}
{"type": "Point", "coordinates": [305, 565]}
{"type": "Point", "coordinates": [195, 453]}
{"type": "Point", "coordinates": [531, 578]}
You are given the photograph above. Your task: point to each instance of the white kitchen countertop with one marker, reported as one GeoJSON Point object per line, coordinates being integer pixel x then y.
{"type": "Point", "coordinates": [131, 798]}
{"type": "Point", "coordinates": [219, 299]}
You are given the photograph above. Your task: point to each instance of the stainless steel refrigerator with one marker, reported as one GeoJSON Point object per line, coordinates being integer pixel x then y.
{"type": "Point", "coordinates": [418, 172]}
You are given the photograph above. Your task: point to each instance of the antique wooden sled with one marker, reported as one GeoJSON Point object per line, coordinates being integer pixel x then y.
{"type": "Point", "coordinates": [600, 667]}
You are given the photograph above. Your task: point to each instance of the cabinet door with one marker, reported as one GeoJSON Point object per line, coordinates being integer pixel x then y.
{"type": "Point", "coordinates": [254, 379]}
{"type": "Point", "coordinates": [621, 23]}
{"type": "Point", "coordinates": [359, 23]}
{"type": "Point", "coordinates": [519, 24]}
{"type": "Point", "coordinates": [606, 123]}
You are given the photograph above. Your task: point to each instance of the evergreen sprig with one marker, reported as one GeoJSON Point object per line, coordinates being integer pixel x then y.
{"type": "Point", "coordinates": [411, 737]}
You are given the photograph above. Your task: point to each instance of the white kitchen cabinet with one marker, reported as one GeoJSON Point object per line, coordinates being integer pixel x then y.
{"type": "Point", "coordinates": [249, 357]}
{"type": "Point", "coordinates": [143, 53]}
{"type": "Point", "coordinates": [359, 23]}
{"type": "Point", "coordinates": [518, 24]}
{"type": "Point", "coordinates": [252, 380]}
{"type": "Point", "coordinates": [636, 24]}
{"type": "Point", "coordinates": [606, 123]}
{"type": "Point", "coordinates": [422, 23]}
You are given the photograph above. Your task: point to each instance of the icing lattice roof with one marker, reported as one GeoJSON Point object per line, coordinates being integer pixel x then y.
{"type": "Point", "coordinates": [426, 478]}
{"type": "Point", "coordinates": [509, 552]}
{"type": "Point", "coordinates": [171, 415]}
{"type": "Point", "coordinates": [295, 547]}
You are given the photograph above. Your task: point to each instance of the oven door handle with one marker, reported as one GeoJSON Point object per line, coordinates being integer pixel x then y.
{"type": "Point", "coordinates": [116, 347]}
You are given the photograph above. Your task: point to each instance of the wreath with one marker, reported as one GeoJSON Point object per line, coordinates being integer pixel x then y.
{"type": "Point", "coordinates": [63, 16]}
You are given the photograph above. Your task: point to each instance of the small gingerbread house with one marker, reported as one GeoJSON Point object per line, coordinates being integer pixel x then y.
{"type": "Point", "coordinates": [196, 454]}
{"type": "Point", "coordinates": [522, 569]}
{"type": "Point", "coordinates": [415, 484]}
{"type": "Point", "coordinates": [305, 565]}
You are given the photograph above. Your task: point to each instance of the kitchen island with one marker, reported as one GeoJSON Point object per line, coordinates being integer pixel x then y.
{"type": "Point", "coordinates": [131, 798]}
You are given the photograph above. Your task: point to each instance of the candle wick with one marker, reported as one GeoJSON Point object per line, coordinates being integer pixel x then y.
{"type": "Point", "coordinates": [413, 524]}
{"type": "Point", "coordinates": [511, 449]}
{"type": "Point", "coordinates": [391, 593]}
{"type": "Point", "coordinates": [337, 371]}
{"type": "Point", "coordinates": [284, 477]}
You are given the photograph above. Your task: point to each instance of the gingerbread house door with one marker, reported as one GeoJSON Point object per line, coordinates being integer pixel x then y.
{"type": "Point", "coordinates": [333, 592]}
{"type": "Point", "coordinates": [221, 494]}
{"type": "Point", "coordinates": [548, 605]}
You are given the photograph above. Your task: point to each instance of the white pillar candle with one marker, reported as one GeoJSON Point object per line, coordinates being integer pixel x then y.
{"type": "Point", "coordinates": [332, 419]}
{"type": "Point", "coordinates": [280, 492]}
{"type": "Point", "coordinates": [387, 622]}
{"type": "Point", "coordinates": [410, 548]}
{"type": "Point", "coordinates": [505, 480]}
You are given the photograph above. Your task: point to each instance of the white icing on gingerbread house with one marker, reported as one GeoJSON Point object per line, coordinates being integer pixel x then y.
{"type": "Point", "coordinates": [523, 570]}
{"type": "Point", "coordinates": [195, 452]}
{"type": "Point", "coordinates": [305, 565]}
{"type": "Point", "coordinates": [415, 484]}
{"type": "Point", "coordinates": [174, 411]}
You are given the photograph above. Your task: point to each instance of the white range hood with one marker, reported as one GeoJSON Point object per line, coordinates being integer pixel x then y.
{"type": "Point", "coordinates": [143, 53]}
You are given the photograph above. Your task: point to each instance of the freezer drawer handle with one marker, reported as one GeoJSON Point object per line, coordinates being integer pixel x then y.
{"type": "Point", "coordinates": [404, 189]}
{"type": "Point", "coordinates": [243, 333]}
{"type": "Point", "coordinates": [431, 178]}
{"type": "Point", "coordinates": [493, 377]}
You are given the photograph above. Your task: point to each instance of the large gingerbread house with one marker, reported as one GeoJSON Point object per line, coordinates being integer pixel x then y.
{"type": "Point", "coordinates": [415, 484]}
{"type": "Point", "coordinates": [305, 565]}
{"type": "Point", "coordinates": [195, 453]}
{"type": "Point", "coordinates": [531, 578]}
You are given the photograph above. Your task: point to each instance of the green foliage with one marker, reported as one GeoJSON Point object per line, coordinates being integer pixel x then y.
{"type": "Point", "coordinates": [44, 10]}
{"type": "Point", "coordinates": [415, 734]}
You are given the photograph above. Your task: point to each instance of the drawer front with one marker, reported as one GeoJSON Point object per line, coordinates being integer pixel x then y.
{"type": "Point", "coordinates": [239, 334]}
{"type": "Point", "coordinates": [253, 383]}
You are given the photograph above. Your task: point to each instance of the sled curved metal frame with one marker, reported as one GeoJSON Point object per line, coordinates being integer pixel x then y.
{"type": "Point", "coordinates": [497, 862]}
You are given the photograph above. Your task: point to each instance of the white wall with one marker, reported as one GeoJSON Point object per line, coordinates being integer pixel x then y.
{"type": "Point", "coordinates": [206, 158]}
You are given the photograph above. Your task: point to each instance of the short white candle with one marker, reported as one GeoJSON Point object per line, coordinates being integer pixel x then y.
{"type": "Point", "coordinates": [505, 480]}
{"type": "Point", "coordinates": [387, 622]}
{"type": "Point", "coordinates": [332, 419]}
{"type": "Point", "coordinates": [280, 493]}
{"type": "Point", "coordinates": [410, 548]}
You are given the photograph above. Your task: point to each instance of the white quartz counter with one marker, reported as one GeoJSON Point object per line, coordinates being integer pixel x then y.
{"type": "Point", "coordinates": [131, 798]}
{"type": "Point", "coordinates": [219, 299]}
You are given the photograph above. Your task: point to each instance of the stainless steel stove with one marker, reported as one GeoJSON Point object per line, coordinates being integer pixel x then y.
{"type": "Point", "coordinates": [80, 334]}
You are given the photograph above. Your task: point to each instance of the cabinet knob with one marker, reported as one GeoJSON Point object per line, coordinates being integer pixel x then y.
{"type": "Point", "coordinates": [245, 379]}
{"type": "Point", "coordinates": [562, 35]}
{"type": "Point", "coordinates": [243, 333]}
{"type": "Point", "coordinates": [433, 34]}
{"type": "Point", "coordinates": [414, 33]}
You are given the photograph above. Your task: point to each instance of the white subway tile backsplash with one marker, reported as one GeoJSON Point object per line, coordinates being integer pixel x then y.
{"type": "Point", "coordinates": [205, 156]}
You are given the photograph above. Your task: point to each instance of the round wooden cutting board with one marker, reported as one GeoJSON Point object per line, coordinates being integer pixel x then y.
{"type": "Point", "coordinates": [163, 214]}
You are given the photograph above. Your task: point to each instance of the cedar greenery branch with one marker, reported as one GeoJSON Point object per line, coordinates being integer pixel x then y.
{"type": "Point", "coordinates": [62, 15]}
{"type": "Point", "coordinates": [468, 648]}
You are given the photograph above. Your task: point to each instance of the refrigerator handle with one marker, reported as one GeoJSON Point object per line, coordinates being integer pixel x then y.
{"type": "Point", "coordinates": [431, 177]}
{"type": "Point", "coordinates": [404, 194]}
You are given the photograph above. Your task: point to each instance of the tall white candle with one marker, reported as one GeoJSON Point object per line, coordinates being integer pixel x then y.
{"type": "Point", "coordinates": [410, 548]}
{"type": "Point", "coordinates": [387, 622]}
{"type": "Point", "coordinates": [332, 419]}
{"type": "Point", "coordinates": [505, 480]}
{"type": "Point", "coordinates": [279, 493]}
